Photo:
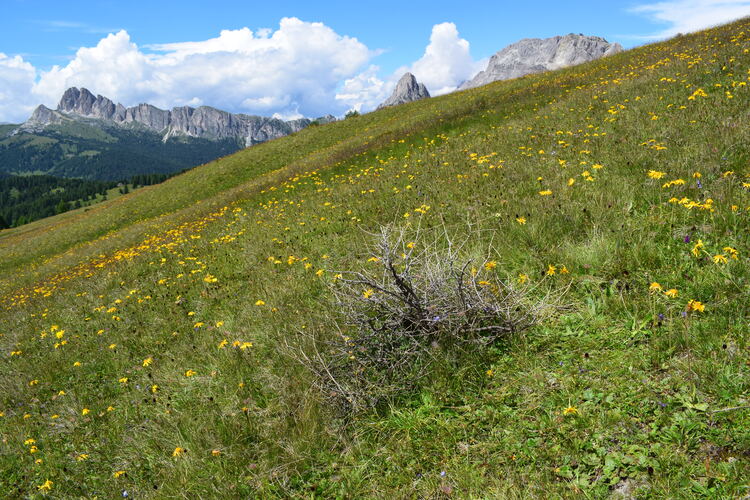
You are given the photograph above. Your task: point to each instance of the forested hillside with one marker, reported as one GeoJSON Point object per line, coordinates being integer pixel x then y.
{"type": "Point", "coordinates": [80, 150]}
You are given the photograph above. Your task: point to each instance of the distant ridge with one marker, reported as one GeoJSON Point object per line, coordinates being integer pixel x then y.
{"type": "Point", "coordinates": [534, 55]}
{"type": "Point", "coordinates": [203, 122]}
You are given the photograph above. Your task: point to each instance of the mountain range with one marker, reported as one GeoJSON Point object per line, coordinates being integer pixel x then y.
{"type": "Point", "coordinates": [527, 56]}
{"type": "Point", "coordinates": [204, 122]}
{"type": "Point", "coordinates": [91, 137]}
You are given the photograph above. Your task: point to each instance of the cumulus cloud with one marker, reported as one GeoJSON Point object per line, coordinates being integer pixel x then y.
{"type": "Point", "coordinates": [16, 79]}
{"type": "Point", "coordinates": [365, 91]}
{"type": "Point", "coordinates": [446, 63]}
{"type": "Point", "coordinates": [298, 69]}
{"type": "Point", "coordinates": [291, 71]}
{"type": "Point", "coordinates": [115, 67]}
{"type": "Point", "coordinates": [684, 16]}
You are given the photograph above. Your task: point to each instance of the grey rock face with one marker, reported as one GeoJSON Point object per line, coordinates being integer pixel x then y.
{"type": "Point", "coordinates": [148, 115]}
{"type": "Point", "coordinates": [42, 115]}
{"type": "Point", "coordinates": [83, 102]}
{"type": "Point", "coordinates": [407, 90]}
{"type": "Point", "coordinates": [204, 122]}
{"type": "Point", "coordinates": [534, 55]}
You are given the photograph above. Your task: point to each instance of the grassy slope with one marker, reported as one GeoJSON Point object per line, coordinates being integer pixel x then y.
{"type": "Point", "coordinates": [202, 190]}
{"type": "Point", "coordinates": [645, 376]}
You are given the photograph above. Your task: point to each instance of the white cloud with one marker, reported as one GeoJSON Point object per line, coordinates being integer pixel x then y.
{"type": "Point", "coordinates": [292, 71]}
{"type": "Point", "coordinates": [365, 91]}
{"type": "Point", "coordinates": [446, 63]}
{"type": "Point", "coordinates": [685, 16]}
{"type": "Point", "coordinates": [16, 78]}
{"type": "Point", "coordinates": [298, 69]}
{"type": "Point", "coordinates": [115, 67]}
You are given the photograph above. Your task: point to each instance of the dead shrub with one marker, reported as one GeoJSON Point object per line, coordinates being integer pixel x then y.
{"type": "Point", "coordinates": [416, 304]}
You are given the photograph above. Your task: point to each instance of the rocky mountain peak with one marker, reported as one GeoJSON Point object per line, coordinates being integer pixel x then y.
{"type": "Point", "coordinates": [83, 102]}
{"type": "Point", "coordinates": [407, 90]}
{"type": "Point", "coordinates": [534, 55]}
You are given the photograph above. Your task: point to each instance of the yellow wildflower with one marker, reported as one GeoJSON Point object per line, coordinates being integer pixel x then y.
{"type": "Point", "coordinates": [47, 486]}
{"type": "Point", "coordinates": [654, 174]}
{"type": "Point", "coordinates": [694, 305]}
{"type": "Point", "coordinates": [570, 410]}
{"type": "Point", "coordinates": [697, 248]}
{"type": "Point", "coordinates": [733, 253]}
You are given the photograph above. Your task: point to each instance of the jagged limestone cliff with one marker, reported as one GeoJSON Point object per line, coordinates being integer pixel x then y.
{"type": "Point", "coordinates": [534, 55]}
{"type": "Point", "coordinates": [203, 122]}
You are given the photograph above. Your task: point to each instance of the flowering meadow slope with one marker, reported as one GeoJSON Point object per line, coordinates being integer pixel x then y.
{"type": "Point", "coordinates": [151, 345]}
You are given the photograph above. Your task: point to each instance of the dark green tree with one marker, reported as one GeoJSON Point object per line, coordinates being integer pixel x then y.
{"type": "Point", "coordinates": [61, 207]}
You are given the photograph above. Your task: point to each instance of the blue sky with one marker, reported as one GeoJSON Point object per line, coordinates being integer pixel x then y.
{"type": "Point", "coordinates": [49, 33]}
{"type": "Point", "coordinates": [327, 56]}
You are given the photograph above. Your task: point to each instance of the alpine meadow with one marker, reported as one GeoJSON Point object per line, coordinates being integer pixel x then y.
{"type": "Point", "coordinates": [537, 288]}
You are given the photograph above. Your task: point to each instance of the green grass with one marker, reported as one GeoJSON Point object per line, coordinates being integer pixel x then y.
{"type": "Point", "coordinates": [628, 388]}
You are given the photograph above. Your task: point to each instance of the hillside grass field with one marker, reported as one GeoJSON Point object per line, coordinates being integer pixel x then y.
{"type": "Point", "coordinates": [150, 345]}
